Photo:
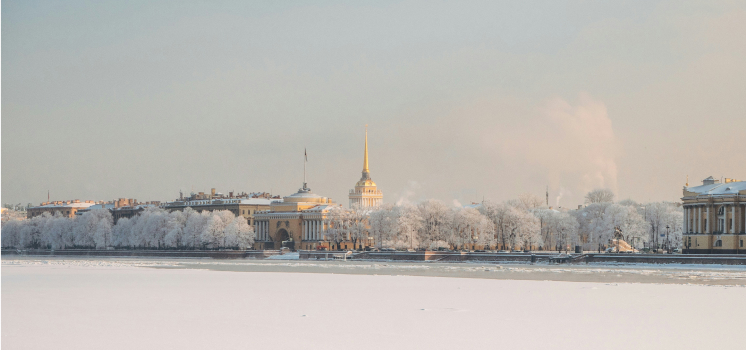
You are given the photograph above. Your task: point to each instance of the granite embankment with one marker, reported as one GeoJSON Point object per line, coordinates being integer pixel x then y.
{"type": "Point", "coordinates": [429, 256]}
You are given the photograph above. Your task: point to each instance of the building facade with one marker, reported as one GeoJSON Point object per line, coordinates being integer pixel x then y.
{"type": "Point", "coordinates": [64, 208]}
{"type": "Point", "coordinates": [242, 204]}
{"type": "Point", "coordinates": [715, 217]}
{"type": "Point", "coordinates": [297, 221]}
{"type": "Point", "coordinates": [366, 193]}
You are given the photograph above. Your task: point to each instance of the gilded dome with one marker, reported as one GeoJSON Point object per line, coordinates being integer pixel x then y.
{"type": "Point", "coordinates": [365, 183]}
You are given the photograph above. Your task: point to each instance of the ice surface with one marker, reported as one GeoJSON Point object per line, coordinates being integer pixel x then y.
{"type": "Point", "coordinates": [128, 304]}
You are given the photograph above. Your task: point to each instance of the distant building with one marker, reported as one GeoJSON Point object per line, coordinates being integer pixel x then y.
{"type": "Point", "coordinates": [365, 193]}
{"type": "Point", "coordinates": [297, 221]}
{"type": "Point", "coordinates": [65, 208]}
{"type": "Point", "coordinates": [715, 217]}
{"type": "Point", "coordinates": [242, 204]}
{"type": "Point", "coordinates": [121, 208]}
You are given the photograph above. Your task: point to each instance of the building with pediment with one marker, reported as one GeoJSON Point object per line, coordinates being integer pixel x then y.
{"type": "Point", "coordinates": [715, 217]}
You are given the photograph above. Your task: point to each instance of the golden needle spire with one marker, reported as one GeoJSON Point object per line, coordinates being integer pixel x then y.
{"type": "Point", "coordinates": [365, 165]}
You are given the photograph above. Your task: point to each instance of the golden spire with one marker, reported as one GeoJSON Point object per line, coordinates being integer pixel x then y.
{"type": "Point", "coordinates": [365, 165]}
{"type": "Point", "coordinates": [687, 181]}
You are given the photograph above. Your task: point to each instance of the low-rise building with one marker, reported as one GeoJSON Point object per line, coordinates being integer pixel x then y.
{"type": "Point", "coordinates": [715, 217]}
{"type": "Point", "coordinates": [121, 208]}
{"type": "Point", "coordinates": [242, 204]}
{"type": "Point", "coordinates": [64, 208]}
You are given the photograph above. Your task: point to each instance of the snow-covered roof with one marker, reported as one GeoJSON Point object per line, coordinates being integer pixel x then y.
{"type": "Point", "coordinates": [223, 201]}
{"type": "Point", "coordinates": [301, 194]}
{"type": "Point", "coordinates": [729, 188]}
{"type": "Point", "coordinates": [65, 205]}
{"type": "Point", "coordinates": [321, 208]}
{"type": "Point", "coordinates": [102, 206]}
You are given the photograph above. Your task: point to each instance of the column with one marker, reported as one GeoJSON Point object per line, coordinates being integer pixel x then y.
{"type": "Point", "coordinates": [699, 219]}
{"type": "Point", "coordinates": [686, 212]}
{"type": "Point", "coordinates": [708, 224]}
{"type": "Point", "coordinates": [732, 219]}
{"type": "Point", "coordinates": [313, 228]}
{"type": "Point", "coordinates": [688, 219]}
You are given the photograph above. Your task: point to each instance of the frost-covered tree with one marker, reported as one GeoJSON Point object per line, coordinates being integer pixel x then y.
{"type": "Point", "coordinates": [196, 223]}
{"type": "Point", "coordinates": [120, 233]}
{"type": "Point", "coordinates": [470, 227]}
{"type": "Point", "coordinates": [437, 223]}
{"type": "Point", "coordinates": [382, 224]}
{"type": "Point", "coordinates": [408, 227]}
{"type": "Point", "coordinates": [499, 214]}
{"type": "Point", "coordinates": [526, 229]}
{"type": "Point", "coordinates": [177, 222]}
{"type": "Point", "coordinates": [358, 225]}
{"type": "Point", "coordinates": [592, 229]}
{"type": "Point", "coordinates": [599, 195]}
{"type": "Point", "coordinates": [338, 221]}
{"type": "Point", "coordinates": [88, 226]}
{"type": "Point", "coordinates": [11, 234]}
{"type": "Point", "coordinates": [215, 234]}
{"type": "Point", "coordinates": [238, 233]}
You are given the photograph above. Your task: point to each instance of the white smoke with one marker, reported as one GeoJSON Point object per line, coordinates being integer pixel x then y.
{"type": "Point", "coordinates": [562, 192]}
{"type": "Point", "coordinates": [409, 192]}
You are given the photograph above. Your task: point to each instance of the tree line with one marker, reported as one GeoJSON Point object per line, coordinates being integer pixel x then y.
{"type": "Point", "coordinates": [154, 228]}
{"type": "Point", "coordinates": [524, 223]}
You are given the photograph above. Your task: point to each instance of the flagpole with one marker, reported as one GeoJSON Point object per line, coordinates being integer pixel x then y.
{"type": "Point", "coordinates": [305, 160]}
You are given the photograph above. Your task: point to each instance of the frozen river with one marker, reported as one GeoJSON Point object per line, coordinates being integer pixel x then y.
{"type": "Point", "coordinates": [242, 304]}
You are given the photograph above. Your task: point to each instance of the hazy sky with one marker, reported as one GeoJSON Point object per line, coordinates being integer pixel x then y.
{"type": "Point", "coordinates": [464, 100]}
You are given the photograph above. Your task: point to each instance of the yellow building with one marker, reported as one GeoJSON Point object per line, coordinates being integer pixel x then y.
{"type": "Point", "coordinates": [366, 193]}
{"type": "Point", "coordinates": [297, 221]}
{"type": "Point", "coordinates": [715, 217]}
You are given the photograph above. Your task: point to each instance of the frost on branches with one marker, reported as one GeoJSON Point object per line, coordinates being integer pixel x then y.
{"type": "Point", "coordinates": [154, 228]}
{"type": "Point", "coordinates": [519, 224]}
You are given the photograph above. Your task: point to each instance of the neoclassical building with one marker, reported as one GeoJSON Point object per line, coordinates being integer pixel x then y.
{"type": "Point", "coordinates": [715, 217]}
{"type": "Point", "coordinates": [366, 193]}
{"type": "Point", "coordinates": [297, 221]}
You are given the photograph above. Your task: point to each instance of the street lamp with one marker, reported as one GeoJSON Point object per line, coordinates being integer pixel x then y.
{"type": "Point", "coordinates": [668, 242]}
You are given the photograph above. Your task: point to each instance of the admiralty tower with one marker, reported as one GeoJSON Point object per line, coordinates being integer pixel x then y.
{"type": "Point", "coordinates": [366, 193]}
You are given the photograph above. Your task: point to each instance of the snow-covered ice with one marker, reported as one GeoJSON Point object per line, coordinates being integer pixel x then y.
{"type": "Point", "coordinates": [164, 304]}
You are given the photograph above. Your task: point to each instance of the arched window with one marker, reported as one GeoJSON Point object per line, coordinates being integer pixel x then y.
{"type": "Point", "coordinates": [718, 243]}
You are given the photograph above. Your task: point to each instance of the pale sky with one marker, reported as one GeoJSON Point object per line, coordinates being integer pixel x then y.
{"type": "Point", "coordinates": [464, 100]}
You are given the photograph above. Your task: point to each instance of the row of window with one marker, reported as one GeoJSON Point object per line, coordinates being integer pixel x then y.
{"type": "Point", "coordinates": [719, 243]}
